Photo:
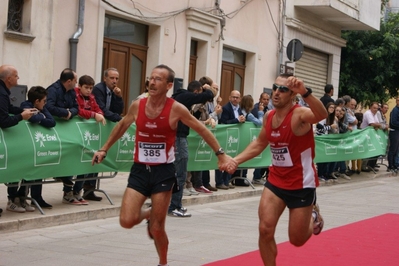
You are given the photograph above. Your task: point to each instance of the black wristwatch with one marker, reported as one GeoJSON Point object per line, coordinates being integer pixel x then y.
{"type": "Point", "coordinates": [220, 151]}
{"type": "Point", "coordinates": [309, 91]}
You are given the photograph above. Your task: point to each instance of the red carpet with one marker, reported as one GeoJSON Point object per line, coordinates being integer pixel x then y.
{"type": "Point", "coordinates": [373, 241]}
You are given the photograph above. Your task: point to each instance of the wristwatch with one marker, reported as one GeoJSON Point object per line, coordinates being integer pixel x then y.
{"type": "Point", "coordinates": [220, 151]}
{"type": "Point", "coordinates": [309, 91]}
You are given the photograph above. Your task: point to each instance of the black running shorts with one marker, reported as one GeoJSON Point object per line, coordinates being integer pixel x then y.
{"type": "Point", "coordinates": [151, 179]}
{"type": "Point", "coordinates": [294, 198]}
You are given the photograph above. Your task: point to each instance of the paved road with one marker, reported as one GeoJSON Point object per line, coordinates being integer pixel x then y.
{"type": "Point", "coordinates": [217, 230]}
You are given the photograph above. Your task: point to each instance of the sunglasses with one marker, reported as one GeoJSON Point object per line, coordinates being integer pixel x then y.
{"type": "Point", "coordinates": [280, 88]}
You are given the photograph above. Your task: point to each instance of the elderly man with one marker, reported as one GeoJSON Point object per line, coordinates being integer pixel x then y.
{"type": "Point", "coordinates": [8, 79]}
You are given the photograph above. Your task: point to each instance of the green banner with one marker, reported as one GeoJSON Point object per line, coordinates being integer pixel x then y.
{"type": "Point", "coordinates": [30, 151]}
{"type": "Point", "coordinates": [234, 138]}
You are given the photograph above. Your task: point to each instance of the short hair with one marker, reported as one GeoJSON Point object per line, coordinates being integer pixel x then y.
{"type": "Point", "coordinates": [171, 74]}
{"type": "Point", "coordinates": [205, 80]}
{"type": "Point", "coordinates": [86, 80]}
{"type": "Point", "coordinates": [346, 98]}
{"type": "Point", "coordinates": [67, 74]}
{"type": "Point", "coordinates": [109, 69]}
{"type": "Point", "coordinates": [339, 101]}
{"type": "Point", "coordinates": [36, 93]}
{"type": "Point", "coordinates": [263, 93]}
{"type": "Point", "coordinates": [194, 86]}
{"type": "Point", "coordinates": [328, 88]}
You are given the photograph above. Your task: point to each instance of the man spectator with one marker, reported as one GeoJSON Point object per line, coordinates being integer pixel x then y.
{"type": "Point", "coordinates": [8, 79]}
{"type": "Point", "coordinates": [109, 96]}
{"type": "Point", "coordinates": [393, 137]}
{"type": "Point", "coordinates": [370, 118]}
{"type": "Point", "coordinates": [188, 98]}
{"type": "Point", "coordinates": [328, 92]}
{"type": "Point", "coordinates": [231, 114]}
{"type": "Point", "coordinates": [263, 103]}
{"type": "Point", "coordinates": [61, 102]}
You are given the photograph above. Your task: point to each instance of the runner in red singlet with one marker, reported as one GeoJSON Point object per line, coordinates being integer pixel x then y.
{"type": "Point", "coordinates": [292, 178]}
{"type": "Point", "coordinates": [153, 173]}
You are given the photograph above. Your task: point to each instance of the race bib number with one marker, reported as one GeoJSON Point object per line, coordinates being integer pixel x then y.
{"type": "Point", "coordinates": [281, 157]}
{"type": "Point", "coordinates": [152, 152]}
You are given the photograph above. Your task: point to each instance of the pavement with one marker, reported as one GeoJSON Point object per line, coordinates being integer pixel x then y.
{"type": "Point", "coordinates": [62, 213]}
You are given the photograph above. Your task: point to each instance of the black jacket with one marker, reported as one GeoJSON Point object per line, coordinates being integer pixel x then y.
{"type": "Point", "coordinates": [59, 100]}
{"type": "Point", "coordinates": [116, 108]}
{"type": "Point", "coordinates": [6, 108]}
{"type": "Point", "coordinates": [188, 98]}
{"type": "Point", "coordinates": [228, 116]}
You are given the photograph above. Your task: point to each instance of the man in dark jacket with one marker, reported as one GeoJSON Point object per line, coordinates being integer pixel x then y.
{"type": "Point", "coordinates": [231, 114]}
{"type": "Point", "coordinates": [189, 97]}
{"type": "Point", "coordinates": [8, 79]}
{"type": "Point", "coordinates": [328, 92]}
{"type": "Point", "coordinates": [109, 96]}
{"type": "Point", "coordinates": [61, 97]}
{"type": "Point", "coordinates": [61, 102]}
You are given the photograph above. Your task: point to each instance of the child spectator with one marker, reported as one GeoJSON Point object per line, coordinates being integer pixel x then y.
{"type": "Point", "coordinates": [87, 108]}
{"type": "Point", "coordinates": [37, 97]}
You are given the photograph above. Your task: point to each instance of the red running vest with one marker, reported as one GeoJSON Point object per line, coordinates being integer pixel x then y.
{"type": "Point", "coordinates": [155, 139]}
{"type": "Point", "coordinates": [292, 156]}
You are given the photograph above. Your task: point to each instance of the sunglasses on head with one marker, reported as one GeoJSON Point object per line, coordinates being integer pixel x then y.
{"type": "Point", "coordinates": [280, 88]}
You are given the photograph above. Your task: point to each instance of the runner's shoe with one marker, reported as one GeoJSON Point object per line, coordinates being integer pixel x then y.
{"type": "Point", "coordinates": [318, 221]}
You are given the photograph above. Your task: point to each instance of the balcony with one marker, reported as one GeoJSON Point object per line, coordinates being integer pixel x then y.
{"type": "Point", "coordinates": [347, 14]}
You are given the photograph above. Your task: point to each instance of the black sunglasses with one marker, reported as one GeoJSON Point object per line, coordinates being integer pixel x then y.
{"type": "Point", "coordinates": [280, 88]}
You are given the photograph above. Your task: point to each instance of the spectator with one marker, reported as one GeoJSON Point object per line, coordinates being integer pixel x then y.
{"type": "Point", "coordinates": [328, 125]}
{"type": "Point", "coordinates": [88, 108]}
{"type": "Point", "coordinates": [8, 79]}
{"type": "Point", "coordinates": [231, 114]}
{"type": "Point", "coordinates": [370, 118]}
{"type": "Point", "coordinates": [37, 97]}
{"type": "Point", "coordinates": [61, 102]}
{"type": "Point", "coordinates": [215, 112]}
{"type": "Point", "coordinates": [109, 98]}
{"type": "Point", "coordinates": [393, 137]}
{"type": "Point", "coordinates": [192, 95]}
{"type": "Point", "coordinates": [264, 101]}
{"type": "Point", "coordinates": [328, 92]}
{"type": "Point", "coordinates": [356, 165]}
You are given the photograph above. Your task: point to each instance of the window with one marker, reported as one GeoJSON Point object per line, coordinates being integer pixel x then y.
{"type": "Point", "coordinates": [14, 21]}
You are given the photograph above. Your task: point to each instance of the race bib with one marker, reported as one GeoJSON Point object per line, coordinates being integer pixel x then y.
{"type": "Point", "coordinates": [152, 152]}
{"type": "Point", "coordinates": [281, 157]}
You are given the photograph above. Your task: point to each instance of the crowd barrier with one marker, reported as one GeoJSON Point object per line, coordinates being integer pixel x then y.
{"type": "Point", "coordinates": [30, 151]}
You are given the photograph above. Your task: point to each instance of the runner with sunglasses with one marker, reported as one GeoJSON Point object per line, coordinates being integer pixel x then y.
{"type": "Point", "coordinates": [292, 178]}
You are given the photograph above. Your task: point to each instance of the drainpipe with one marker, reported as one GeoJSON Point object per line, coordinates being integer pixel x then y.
{"type": "Point", "coordinates": [73, 42]}
{"type": "Point", "coordinates": [282, 11]}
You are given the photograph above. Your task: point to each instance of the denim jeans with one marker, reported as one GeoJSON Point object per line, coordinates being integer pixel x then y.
{"type": "Point", "coordinates": [181, 160]}
{"type": "Point", "coordinates": [222, 178]}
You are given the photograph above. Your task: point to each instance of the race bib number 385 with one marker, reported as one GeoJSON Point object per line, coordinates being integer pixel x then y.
{"type": "Point", "coordinates": [281, 157]}
{"type": "Point", "coordinates": [152, 152]}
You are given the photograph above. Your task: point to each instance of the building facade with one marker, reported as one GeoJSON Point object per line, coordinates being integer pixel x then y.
{"type": "Point", "coordinates": [241, 44]}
